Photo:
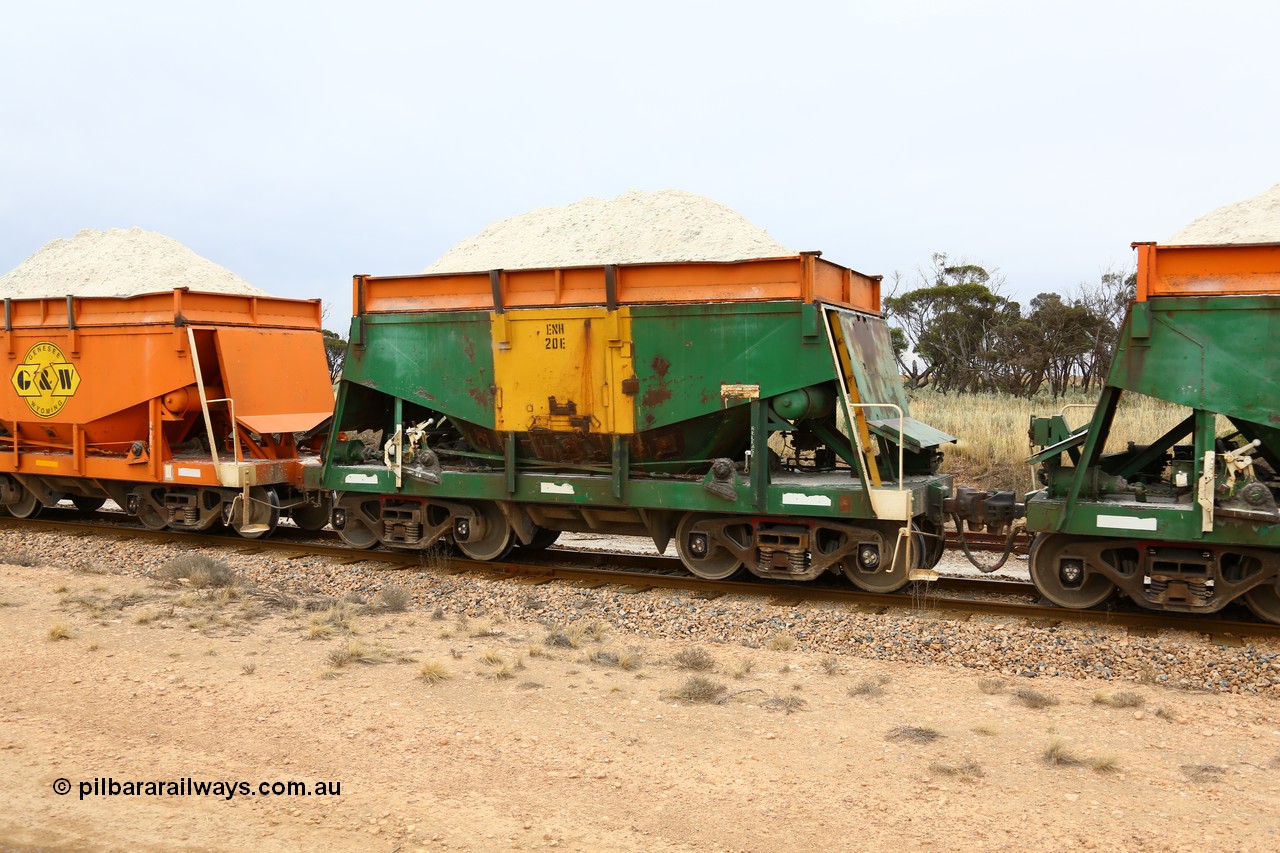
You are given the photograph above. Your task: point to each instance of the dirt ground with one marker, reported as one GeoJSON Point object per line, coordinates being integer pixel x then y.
{"type": "Point", "coordinates": [528, 742]}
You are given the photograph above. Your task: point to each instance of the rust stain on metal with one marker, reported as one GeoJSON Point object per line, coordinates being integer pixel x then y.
{"type": "Point", "coordinates": [482, 397]}
{"type": "Point", "coordinates": [660, 393]}
{"type": "Point", "coordinates": [655, 397]}
{"type": "Point", "coordinates": [469, 348]}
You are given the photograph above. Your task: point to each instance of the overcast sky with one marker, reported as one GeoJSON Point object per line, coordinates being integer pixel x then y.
{"type": "Point", "coordinates": [299, 143]}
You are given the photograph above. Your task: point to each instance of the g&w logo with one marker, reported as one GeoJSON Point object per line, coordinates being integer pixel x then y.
{"type": "Point", "coordinates": [45, 379]}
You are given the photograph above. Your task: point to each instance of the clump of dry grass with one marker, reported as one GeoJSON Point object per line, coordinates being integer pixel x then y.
{"type": "Point", "coordinates": [694, 658]}
{"type": "Point", "coordinates": [497, 666]}
{"type": "Point", "coordinates": [484, 628]}
{"type": "Point", "coordinates": [352, 651]}
{"type": "Point", "coordinates": [1057, 753]}
{"type": "Point", "coordinates": [603, 657]}
{"type": "Point", "coordinates": [985, 731]}
{"type": "Point", "coordinates": [433, 671]}
{"type": "Point", "coordinates": [336, 617]}
{"type": "Point", "coordinates": [1105, 764]}
{"type": "Point", "coordinates": [914, 734]}
{"type": "Point", "coordinates": [272, 597]}
{"type": "Point", "coordinates": [991, 686]}
{"type": "Point", "coordinates": [58, 631]}
{"type": "Point", "coordinates": [743, 669]}
{"type": "Point", "coordinates": [831, 665]}
{"type": "Point", "coordinates": [22, 557]}
{"type": "Point", "coordinates": [249, 668]}
{"type": "Point", "coordinates": [1033, 698]}
{"type": "Point", "coordinates": [628, 660]}
{"type": "Point", "coordinates": [781, 643]}
{"type": "Point", "coordinates": [564, 638]}
{"type": "Point", "coordinates": [595, 630]}
{"type": "Point", "coordinates": [1204, 772]}
{"type": "Point", "coordinates": [868, 688]}
{"type": "Point", "coordinates": [968, 770]}
{"type": "Point", "coordinates": [789, 704]}
{"type": "Point", "coordinates": [199, 571]}
{"type": "Point", "coordinates": [394, 599]}
{"type": "Point", "coordinates": [145, 616]}
{"type": "Point", "coordinates": [699, 689]}
{"type": "Point", "coordinates": [1123, 699]}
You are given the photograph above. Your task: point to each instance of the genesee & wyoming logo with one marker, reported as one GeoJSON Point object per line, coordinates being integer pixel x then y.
{"type": "Point", "coordinates": [45, 379]}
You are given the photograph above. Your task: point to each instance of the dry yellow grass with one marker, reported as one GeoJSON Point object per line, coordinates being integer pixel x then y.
{"type": "Point", "coordinates": [992, 430]}
{"type": "Point", "coordinates": [433, 671]}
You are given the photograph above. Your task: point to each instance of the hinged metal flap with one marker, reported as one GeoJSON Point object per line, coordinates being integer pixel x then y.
{"type": "Point", "coordinates": [277, 378]}
{"type": "Point", "coordinates": [918, 436]}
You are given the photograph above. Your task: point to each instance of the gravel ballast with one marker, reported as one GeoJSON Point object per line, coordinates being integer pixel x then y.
{"type": "Point", "coordinates": [1009, 647]}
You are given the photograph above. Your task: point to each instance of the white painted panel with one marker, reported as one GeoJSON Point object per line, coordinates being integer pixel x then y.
{"type": "Point", "coordinates": [557, 488]}
{"type": "Point", "coordinates": [371, 479]}
{"type": "Point", "coordinates": [797, 499]}
{"type": "Point", "coordinates": [1126, 522]}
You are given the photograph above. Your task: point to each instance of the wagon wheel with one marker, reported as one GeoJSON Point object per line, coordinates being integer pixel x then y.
{"type": "Point", "coordinates": [264, 514]}
{"type": "Point", "coordinates": [700, 552]}
{"type": "Point", "coordinates": [1066, 584]}
{"type": "Point", "coordinates": [930, 542]}
{"type": "Point", "coordinates": [1264, 601]}
{"type": "Point", "coordinates": [310, 517]}
{"type": "Point", "coordinates": [879, 569]}
{"type": "Point", "coordinates": [542, 539]}
{"type": "Point", "coordinates": [150, 517]}
{"type": "Point", "coordinates": [27, 505]}
{"type": "Point", "coordinates": [357, 534]}
{"type": "Point", "coordinates": [486, 535]}
{"type": "Point", "coordinates": [87, 503]}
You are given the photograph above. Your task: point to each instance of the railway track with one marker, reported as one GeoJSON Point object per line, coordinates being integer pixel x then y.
{"type": "Point", "coordinates": [956, 597]}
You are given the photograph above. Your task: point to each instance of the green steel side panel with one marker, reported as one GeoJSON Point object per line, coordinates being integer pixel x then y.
{"type": "Point", "coordinates": [1147, 522]}
{"type": "Point", "coordinates": [684, 353]}
{"type": "Point", "coordinates": [846, 501]}
{"type": "Point", "coordinates": [1210, 352]}
{"type": "Point", "coordinates": [442, 360]}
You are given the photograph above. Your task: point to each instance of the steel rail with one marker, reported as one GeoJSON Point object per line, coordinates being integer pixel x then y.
{"type": "Point", "coordinates": [640, 572]}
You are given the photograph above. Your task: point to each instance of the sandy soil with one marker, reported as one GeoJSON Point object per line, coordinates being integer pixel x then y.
{"type": "Point", "coordinates": [540, 747]}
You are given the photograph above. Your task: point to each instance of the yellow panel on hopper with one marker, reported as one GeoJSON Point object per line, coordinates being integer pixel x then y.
{"type": "Point", "coordinates": [563, 369]}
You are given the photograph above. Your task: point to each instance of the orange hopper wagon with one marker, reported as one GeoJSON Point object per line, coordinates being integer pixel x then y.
{"type": "Point", "coordinates": [187, 409]}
